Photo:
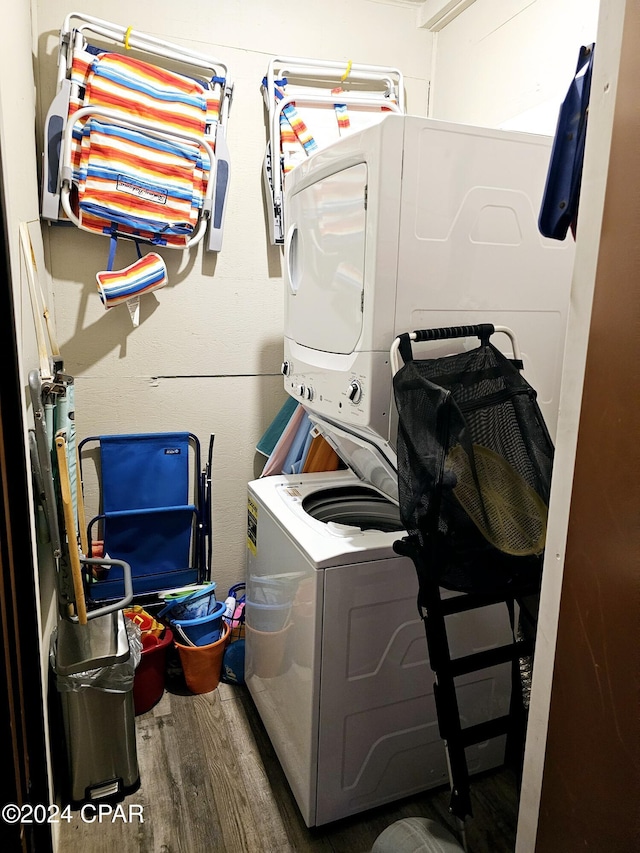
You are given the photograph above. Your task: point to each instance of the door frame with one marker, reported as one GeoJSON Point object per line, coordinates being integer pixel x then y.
{"type": "Point", "coordinates": [22, 724]}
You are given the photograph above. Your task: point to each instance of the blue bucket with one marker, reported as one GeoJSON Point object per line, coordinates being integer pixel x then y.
{"type": "Point", "coordinates": [192, 605]}
{"type": "Point", "coordinates": [197, 618]}
{"type": "Point", "coordinates": [174, 595]}
{"type": "Point", "coordinates": [204, 630]}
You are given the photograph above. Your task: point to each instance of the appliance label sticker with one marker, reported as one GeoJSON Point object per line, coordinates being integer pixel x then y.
{"type": "Point", "coordinates": [252, 527]}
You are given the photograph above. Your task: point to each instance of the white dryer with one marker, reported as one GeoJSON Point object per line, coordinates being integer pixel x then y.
{"type": "Point", "coordinates": [337, 660]}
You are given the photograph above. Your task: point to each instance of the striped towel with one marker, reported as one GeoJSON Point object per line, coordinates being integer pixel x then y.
{"type": "Point", "coordinates": [296, 140]}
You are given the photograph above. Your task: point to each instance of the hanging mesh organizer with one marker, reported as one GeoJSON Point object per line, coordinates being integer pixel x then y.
{"type": "Point", "coordinates": [474, 467]}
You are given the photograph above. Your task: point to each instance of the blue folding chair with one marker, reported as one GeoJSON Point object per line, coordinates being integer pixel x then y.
{"type": "Point", "coordinates": [153, 509]}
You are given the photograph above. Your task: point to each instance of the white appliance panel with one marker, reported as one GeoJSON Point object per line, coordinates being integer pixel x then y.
{"type": "Point", "coordinates": [345, 689]}
{"type": "Point", "coordinates": [379, 148]}
{"type": "Point", "coordinates": [378, 737]}
{"type": "Point", "coordinates": [469, 223]}
{"type": "Point", "coordinates": [282, 668]}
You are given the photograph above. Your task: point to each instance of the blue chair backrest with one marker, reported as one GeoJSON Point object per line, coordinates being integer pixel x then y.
{"type": "Point", "coordinates": [148, 519]}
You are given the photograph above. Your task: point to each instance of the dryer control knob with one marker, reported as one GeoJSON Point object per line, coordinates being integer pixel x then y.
{"type": "Point", "coordinates": [308, 393]}
{"type": "Point", "coordinates": [355, 391]}
{"type": "Point", "coordinates": [300, 390]}
{"type": "Point", "coordinates": [285, 369]}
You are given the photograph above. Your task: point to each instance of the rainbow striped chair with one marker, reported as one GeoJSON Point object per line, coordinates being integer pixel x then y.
{"type": "Point", "coordinates": [312, 103]}
{"type": "Point", "coordinates": [142, 148]}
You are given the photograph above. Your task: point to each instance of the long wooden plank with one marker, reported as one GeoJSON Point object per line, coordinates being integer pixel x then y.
{"type": "Point", "coordinates": [70, 525]}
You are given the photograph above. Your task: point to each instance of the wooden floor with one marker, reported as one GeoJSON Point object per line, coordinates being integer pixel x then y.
{"type": "Point", "coordinates": [211, 783]}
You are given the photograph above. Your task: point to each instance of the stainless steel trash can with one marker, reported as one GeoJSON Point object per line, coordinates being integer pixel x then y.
{"type": "Point", "coordinates": [94, 671]}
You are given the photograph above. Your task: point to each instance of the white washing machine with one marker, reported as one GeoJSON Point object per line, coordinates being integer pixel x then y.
{"type": "Point", "coordinates": [337, 661]}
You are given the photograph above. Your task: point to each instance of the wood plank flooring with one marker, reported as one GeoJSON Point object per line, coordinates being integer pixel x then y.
{"type": "Point", "coordinates": [211, 783]}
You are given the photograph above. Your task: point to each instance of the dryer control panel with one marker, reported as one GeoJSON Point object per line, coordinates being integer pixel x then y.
{"type": "Point", "coordinates": [358, 396]}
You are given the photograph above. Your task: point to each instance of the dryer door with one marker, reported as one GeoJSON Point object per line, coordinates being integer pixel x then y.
{"type": "Point", "coordinates": [324, 261]}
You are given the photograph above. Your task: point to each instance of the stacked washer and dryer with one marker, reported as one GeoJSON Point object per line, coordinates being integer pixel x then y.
{"type": "Point", "coordinates": [410, 224]}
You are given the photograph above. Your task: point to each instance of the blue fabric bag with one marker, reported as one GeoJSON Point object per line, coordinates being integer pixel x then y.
{"type": "Point", "coordinates": [559, 208]}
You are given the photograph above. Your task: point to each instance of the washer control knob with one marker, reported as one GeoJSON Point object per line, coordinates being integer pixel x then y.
{"type": "Point", "coordinates": [354, 392]}
{"type": "Point", "coordinates": [285, 370]}
{"type": "Point", "coordinates": [300, 390]}
{"type": "Point", "coordinates": [308, 393]}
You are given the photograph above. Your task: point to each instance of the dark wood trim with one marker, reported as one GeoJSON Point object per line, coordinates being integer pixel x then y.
{"type": "Point", "coordinates": [22, 732]}
{"type": "Point", "coordinates": [591, 783]}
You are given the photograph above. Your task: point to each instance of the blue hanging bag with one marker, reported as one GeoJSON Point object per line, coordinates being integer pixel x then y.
{"type": "Point", "coordinates": [559, 208]}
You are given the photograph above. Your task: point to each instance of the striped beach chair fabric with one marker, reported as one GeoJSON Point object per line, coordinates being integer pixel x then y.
{"type": "Point", "coordinates": [145, 179]}
{"type": "Point", "coordinates": [300, 96]}
{"type": "Point", "coordinates": [296, 141]}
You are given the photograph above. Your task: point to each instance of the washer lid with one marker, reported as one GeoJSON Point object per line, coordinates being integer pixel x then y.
{"type": "Point", "coordinates": [369, 456]}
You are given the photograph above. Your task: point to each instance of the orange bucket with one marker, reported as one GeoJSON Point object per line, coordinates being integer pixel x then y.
{"type": "Point", "coordinates": [202, 665]}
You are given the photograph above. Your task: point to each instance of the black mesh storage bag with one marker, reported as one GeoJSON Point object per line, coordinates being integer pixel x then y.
{"type": "Point", "coordinates": [474, 467]}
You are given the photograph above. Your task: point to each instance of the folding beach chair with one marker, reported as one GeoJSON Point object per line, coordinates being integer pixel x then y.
{"type": "Point", "coordinates": [153, 511]}
{"type": "Point", "coordinates": [137, 149]}
{"type": "Point", "coordinates": [312, 103]}
{"type": "Point", "coordinates": [474, 471]}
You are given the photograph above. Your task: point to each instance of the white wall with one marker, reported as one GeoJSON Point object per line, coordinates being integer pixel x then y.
{"type": "Point", "coordinates": [207, 353]}
{"type": "Point", "coordinates": [508, 63]}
